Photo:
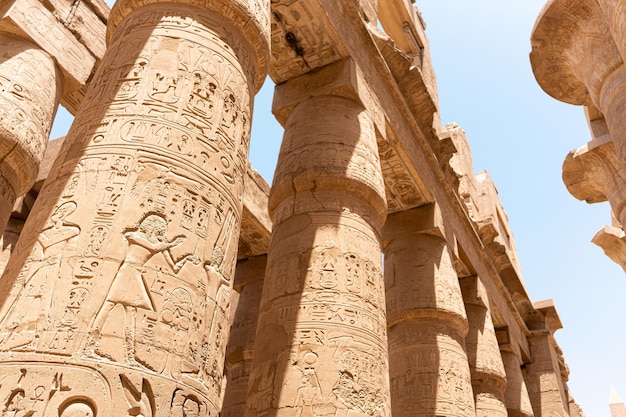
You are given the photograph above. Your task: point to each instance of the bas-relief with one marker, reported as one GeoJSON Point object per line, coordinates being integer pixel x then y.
{"type": "Point", "coordinates": [29, 92]}
{"type": "Point", "coordinates": [133, 267]}
{"type": "Point", "coordinates": [337, 328]}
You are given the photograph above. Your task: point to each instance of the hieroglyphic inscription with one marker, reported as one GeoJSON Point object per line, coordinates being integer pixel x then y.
{"type": "Point", "coordinates": [141, 247]}
{"type": "Point", "coordinates": [45, 389]}
{"type": "Point", "coordinates": [27, 112]}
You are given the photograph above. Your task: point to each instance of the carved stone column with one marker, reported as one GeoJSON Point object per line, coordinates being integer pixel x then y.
{"type": "Point", "coordinates": [487, 369]}
{"type": "Point", "coordinates": [427, 323]}
{"type": "Point", "coordinates": [118, 293]}
{"type": "Point", "coordinates": [240, 349]}
{"type": "Point", "coordinates": [516, 394]}
{"type": "Point", "coordinates": [546, 387]}
{"type": "Point", "coordinates": [321, 346]}
{"type": "Point", "coordinates": [30, 88]}
{"type": "Point", "coordinates": [578, 57]}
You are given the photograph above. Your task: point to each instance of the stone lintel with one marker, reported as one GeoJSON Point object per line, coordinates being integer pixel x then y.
{"type": "Point", "coordinates": [612, 240]}
{"type": "Point", "coordinates": [572, 50]}
{"type": "Point", "coordinates": [407, 53]}
{"type": "Point", "coordinates": [302, 39]}
{"type": "Point", "coordinates": [426, 219]}
{"type": "Point", "coordinates": [86, 20]}
{"type": "Point", "coordinates": [341, 78]}
{"type": "Point", "coordinates": [474, 291]}
{"type": "Point", "coordinates": [30, 19]}
{"type": "Point", "coordinates": [404, 25]}
{"type": "Point", "coordinates": [256, 225]}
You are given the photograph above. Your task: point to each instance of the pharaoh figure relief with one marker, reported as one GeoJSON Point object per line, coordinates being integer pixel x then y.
{"type": "Point", "coordinates": [122, 280]}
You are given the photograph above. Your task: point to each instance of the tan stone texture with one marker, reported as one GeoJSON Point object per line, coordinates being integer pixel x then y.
{"type": "Point", "coordinates": [321, 344]}
{"type": "Point", "coordinates": [426, 320]}
{"type": "Point", "coordinates": [578, 57]}
{"type": "Point", "coordinates": [546, 374]}
{"type": "Point", "coordinates": [486, 367]}
{"type": "Point", "coordinates": [136, 234]}
{"type": "Point", "coordinates": [30, 88]}
{"type": "Point", "coordinates": [150, 278]}
{"type": "Point", "coordinates": [516, 394]}
{"type": "Point", "coordinates": [245, 303]}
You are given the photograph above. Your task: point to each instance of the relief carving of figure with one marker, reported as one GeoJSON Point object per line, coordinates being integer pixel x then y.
{"type": "Point", "coordinates": [29, 313]}
{"type": "Point", "coordinates": [16, 406]}
{"type": "Point", "coordinates": [129, 288]}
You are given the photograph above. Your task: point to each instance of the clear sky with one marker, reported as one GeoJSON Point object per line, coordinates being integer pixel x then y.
{"type": "Point", "coordinates": [521, 136]}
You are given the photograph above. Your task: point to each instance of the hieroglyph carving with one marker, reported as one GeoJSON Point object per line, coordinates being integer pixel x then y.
{"type": "Point", "coordinates": [135, 265]}
{"type": "Point", "coordinates": [26, 115]}
{"type": "Point", "coordinates": [338, 361]}
{"type": "Point", "coordinates": [321, 347]}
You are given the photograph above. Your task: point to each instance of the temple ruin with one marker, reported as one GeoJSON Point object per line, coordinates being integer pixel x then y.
{"type": "Point", "coordinates": [150, 271]}
{"type": "Point", "coordinates": [578, 58]}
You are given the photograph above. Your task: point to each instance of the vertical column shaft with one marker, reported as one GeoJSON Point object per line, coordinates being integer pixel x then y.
{"type": "Point", "coordinates": [240, 349]}
{"type": "Point", "coordinates": [118, 293]}
{"type": "Point", "coordinates": [487, 369]}
{"type": "Point", "coordinates": [543, 378]}
{"type": "Point", "coordinates": [427, 323]}
{"type": "Point", "coordinates": [30, 88]}
{"type": "Point", "coordinates": [516, 395]}
{"type": "Point", "coordinates": [613, 105]}
{"type": "Point", "coordinates": [321, 343]}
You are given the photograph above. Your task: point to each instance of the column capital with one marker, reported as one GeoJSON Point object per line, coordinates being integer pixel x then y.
{"type": "Point", "coordinates": [573, 50]}
{"type": "Point", "coordinates": [248, 16]}
{"type": "Point", "coordinates": [340, 79]}
{"type": "Point", "coordinates": [612, 240]}
{"type": "Point", "coordinates": [545, 317]}
{"type": "Point", "coordinates": [593, 173]}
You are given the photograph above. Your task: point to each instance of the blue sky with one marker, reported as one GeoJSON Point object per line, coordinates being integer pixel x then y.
{"type": "Point", "coordinates": [521, 136]}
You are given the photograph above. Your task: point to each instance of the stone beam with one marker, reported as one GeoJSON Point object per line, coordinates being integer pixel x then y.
{"type": "Point", "coordinates": [72, 34]}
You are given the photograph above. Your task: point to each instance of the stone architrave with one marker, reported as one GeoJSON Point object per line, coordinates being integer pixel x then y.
{"type": "Point", "coordinates": [321, 346]}
{"type": "Point", "coordinates": [543, 375]}
{"type": "Point", "coordinates": [117, 296]}
{"type": "Point", "coordinates": [516, 394]}
{"type": "Point", "coordinates": [426, 319]}
{"type": "Point", "coordinates": [245, 303]}
{"type": "Point", "coordinates": [30, 89]}
{"type": "Point", "coordinates": [487, 369]}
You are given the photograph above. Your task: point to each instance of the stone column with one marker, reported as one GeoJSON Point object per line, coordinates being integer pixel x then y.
{"type": "Point", "coordinates": [321, 346]}
{"type": "Point", "coordinates": [487, 369]}
{"type": "Point", "coordinates": [546, 387]}
{"type": "Point", "coordinates": [577, 57]}
{"type": "Point", "coordinates": [516, 394]}
{"type": "Point", "coordinates": [427, 323]}
{"type": "Point", "coordinates": [30, 89]}
{"type": "Point", "coordinates": [117, 295]}
{"type": "Point", "coordinates": [240, 349]}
